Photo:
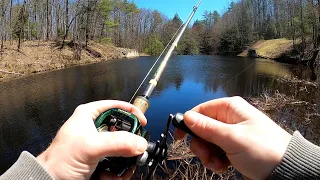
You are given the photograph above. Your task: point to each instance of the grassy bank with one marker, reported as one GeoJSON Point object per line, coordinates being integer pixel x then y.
{"type": "Point", "coordinates": [270, 49]}
{"type": "Point", "coordinates": [39, 56]}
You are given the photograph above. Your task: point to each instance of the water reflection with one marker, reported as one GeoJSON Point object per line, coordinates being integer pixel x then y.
{"type": "Point", "coordinates": [33, 108]}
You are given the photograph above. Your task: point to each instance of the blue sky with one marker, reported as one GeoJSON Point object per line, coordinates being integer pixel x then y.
{"type": "Point", "coordinates": [183, 7]}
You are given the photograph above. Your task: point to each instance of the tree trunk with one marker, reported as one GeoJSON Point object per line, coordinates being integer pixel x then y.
{"type": "Point", "coordinates": [57, 22]}
{"type": "Point", "coordinates": [2, 29]}
{"type": "Point", "coordinates": [312, 61]}
{"type": "Point", "coordinates": [102, 29]}
{"type": "Point", "coordinates": [66, 19]}
{"type": "Point", "coordinates": [87, 23]}
{"type": "Point", "coordinates": [318, 34]}
{"type": "Point", "coordinates": [303, 38]}
{"type": "Point", "coordinates": [47, 32]}
{"type": "Point", "coordinates": [22, 22]}
{"type": "Point", "coordinates": [11, 3]}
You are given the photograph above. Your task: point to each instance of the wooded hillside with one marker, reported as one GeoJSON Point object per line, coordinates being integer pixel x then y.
{"type": "Point", "coordinates": [248, 21]}
{"type": "Point", "coordinates": [122, 23]}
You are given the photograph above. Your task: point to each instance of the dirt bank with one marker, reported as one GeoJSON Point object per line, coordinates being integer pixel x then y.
{"type": "Point", "coordinates": [39, 56]}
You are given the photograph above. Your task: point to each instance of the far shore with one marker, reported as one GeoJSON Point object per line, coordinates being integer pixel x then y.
{"type": "Point", "coordinates": [42, 56]}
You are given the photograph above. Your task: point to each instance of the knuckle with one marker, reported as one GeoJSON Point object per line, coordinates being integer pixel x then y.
{"type": "Point", "coordinates": [237, 102]}
{"type": "Point", "coordinates": [127, 144]}
{"type": "Point", "coordinates": [80, 108]}
{"type": "Point", "coordinates": [208, 127]}
{"type": "Point", "coordinates": [237, 99]}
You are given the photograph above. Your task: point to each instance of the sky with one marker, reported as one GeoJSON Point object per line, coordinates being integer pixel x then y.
{"type": "Point", "coordinates": [183, 7]}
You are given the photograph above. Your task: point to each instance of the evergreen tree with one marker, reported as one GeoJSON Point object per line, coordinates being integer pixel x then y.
{"type": "Point", "coordinates": [155, 46]}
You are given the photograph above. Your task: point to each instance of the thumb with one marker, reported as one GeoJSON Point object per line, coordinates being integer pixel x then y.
{"type": "Point", "coordinates": [115, 144]}
{"type": "Point", "coordinates": [207, 128]}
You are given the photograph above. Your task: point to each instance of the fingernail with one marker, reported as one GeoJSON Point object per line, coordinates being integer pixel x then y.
{"type": "Point", "coordinates": [214, 168]}
{"type": "Point", "coordinates": [211, 166]}
{"type": "Point", "coordinates": [192, 117]}
{"type": "Point", "coordinates": [141, 144]}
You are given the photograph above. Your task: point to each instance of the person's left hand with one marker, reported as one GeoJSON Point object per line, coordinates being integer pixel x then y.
{"type": "Point", "coordinates": [78, 146]}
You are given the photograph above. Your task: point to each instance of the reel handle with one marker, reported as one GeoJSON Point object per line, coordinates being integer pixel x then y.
{"type": "Point", "coordinates": [178, 122]}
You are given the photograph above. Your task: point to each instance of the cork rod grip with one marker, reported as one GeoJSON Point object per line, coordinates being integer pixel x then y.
{"type": "Point", "coordinates": [141, 103]}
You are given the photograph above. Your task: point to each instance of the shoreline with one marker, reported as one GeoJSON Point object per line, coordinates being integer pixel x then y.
{"type": "Point", "coordinates": [7, 79]}
{"type": "Point", "coordinates": [41, 56]}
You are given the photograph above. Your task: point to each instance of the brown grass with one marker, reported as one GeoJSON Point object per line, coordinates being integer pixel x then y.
{"type": "Point", "coordinates": [179, 149]}
{"type": "Point", "coordinates": [38, 56]}
{"type": "Point", "coordinates": [182, 164]}
{"type": "Point", "coordinates": [287, 111]}
{"type": "Point", "coordinates": [267, 103]}
{"type": "Point", "coordinates": [298, 111]}
{"type": "Point", "coordinates": [291, 114]}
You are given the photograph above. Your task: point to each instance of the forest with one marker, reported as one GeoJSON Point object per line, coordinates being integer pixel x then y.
{"type": "Point", "coordinates": [123, 24]}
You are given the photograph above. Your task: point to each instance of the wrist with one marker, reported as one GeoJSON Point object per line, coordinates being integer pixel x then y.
{"type": "Point", "coordinates": [43, 159]}
{"type": "Point", "coordinates": [299, 161]}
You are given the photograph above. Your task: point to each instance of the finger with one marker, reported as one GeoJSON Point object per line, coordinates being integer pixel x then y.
{"type": "Point", "coordinates": [209, 155]}
{"type": "Point", "coordinates": [218, 164]}
{"type": "Point", "coordinates": [230, 110]}
{"type": "Point", "coordinates": [201, 150]}
{"type": "Point", "coordinates": [179, 134]}
{"type": "Point", "coordinates": [208, 129]}
{"type": "Point", "coordinates": [222, 163]}
{"type": "Point", "coordinates": [98, 107]}
{"type": "Point", "coordinates": [129, 173]}
{"type": "Point", "coordinates": [115, 144]}
{"type": "Point", "coordinates": [109, 176]}
{"type": "Point", "coordinates": [216, 109]}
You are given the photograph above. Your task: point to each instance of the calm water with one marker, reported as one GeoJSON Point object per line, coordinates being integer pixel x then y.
{"type": "Point", "coordinates": [33, 108]}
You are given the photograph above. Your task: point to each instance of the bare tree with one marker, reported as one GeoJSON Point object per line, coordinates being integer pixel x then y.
{"type": "Point", "coordinates": [3, 8]}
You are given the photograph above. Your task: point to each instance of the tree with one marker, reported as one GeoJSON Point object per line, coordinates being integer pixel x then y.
{"type": "Point", "coordinates": [66, 21]}
{"type": "Point", "coordinates": [155, 46]}
{"type": "Point", "coordinates": [188, 44]}
{"type": "Point", "coordinates": [176, 21]}
{"type": "Point", "coordinates": [104, 10]}
{"type": "Point", "coordinates": [208, 19]}
{"type": "Point", "coordinates": [3, 7]}
{"type": "Point", "coordinates": [216, 17]}
{"type": "Point", "coordinates": [170, 28]}
{"type": "Point", "coordinates": [20, 24]}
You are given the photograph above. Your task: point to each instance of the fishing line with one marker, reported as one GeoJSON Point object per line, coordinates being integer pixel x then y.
{"type": "Point", "coordinates": [239, 73]}
{"type": "Point", "coordinates": [145, 78]}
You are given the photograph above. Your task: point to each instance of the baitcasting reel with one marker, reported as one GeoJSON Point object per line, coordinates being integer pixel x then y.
{"type": "Point", "coordinates": [120, 120]}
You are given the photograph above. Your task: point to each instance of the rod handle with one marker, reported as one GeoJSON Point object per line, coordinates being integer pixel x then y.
{"type": "Point", "coordinates": [141, 103]}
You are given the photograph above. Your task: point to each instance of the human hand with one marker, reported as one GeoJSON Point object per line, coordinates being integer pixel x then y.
{"type": "Point", "coordinates": [253, 143]}
{"type": "Point", "coordinates": [78, 146]}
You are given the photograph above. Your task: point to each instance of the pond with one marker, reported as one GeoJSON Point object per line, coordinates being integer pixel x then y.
{"type": "Point", "coordinates": [33, 108]}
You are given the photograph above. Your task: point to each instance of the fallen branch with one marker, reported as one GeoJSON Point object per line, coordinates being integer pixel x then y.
{"type": "Point", "coordinates": [8, 72]}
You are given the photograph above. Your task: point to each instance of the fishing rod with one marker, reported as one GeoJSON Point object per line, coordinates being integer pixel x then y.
{"type": "Point", "coordinates": [142, 102]}
{"type": "Point", "coordinates": [120, 120]}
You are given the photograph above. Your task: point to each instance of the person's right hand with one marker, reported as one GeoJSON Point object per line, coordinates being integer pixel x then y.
{"type": "Point", "coordinates": [253, 143]}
